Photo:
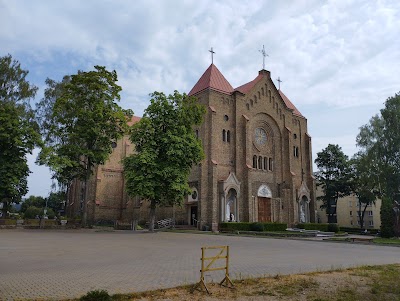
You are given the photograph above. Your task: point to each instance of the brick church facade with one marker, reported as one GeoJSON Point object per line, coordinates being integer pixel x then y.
{"type": "Point", "coordinates": [257, 165]}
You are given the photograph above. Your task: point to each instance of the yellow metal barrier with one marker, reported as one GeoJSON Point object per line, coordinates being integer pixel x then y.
{"type": "Point", "coordinates": [207, 262]}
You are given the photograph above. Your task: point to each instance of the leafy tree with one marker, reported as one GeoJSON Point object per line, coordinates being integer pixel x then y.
{"type": "Point", "coordinates": [365, 186]}
{"type": "Point", "coordinates": [334, 177]}
{"type": "Point", "coordinates": [18, 130]}
{"type": "Point", "coordinates": [79, 119]}
{"type": "Point", "coordinates": [32, 211]}
{"type": "Point", "coordinates": [35, 201]}
{"type": "Point", "coordinates": [166, 150]}
{"type": "Point", "coordinates": [379, 140]}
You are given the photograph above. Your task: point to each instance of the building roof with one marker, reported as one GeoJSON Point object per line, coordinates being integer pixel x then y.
{"type": "Point", "coordinates": [289, 104]}
{"type": "Point", "coordinates": [212, 78]}
{"type": "Point", "coordinates": [133, 120]}
{"type": "Point", "coordinates": [247, 87]}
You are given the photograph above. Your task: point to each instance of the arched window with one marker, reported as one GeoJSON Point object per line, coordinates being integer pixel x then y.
{"type": "Point", "coordinates": [259, 95]}
{"type": "Point", "coordinates": [262, 91]}
{"type": "Point", "coordinates": [270, 164]}
{"type": "Point", "coordinates": [255, 99]}
{"type": "Point", "coordinates": [228, 136]}
{"type": "Point", "coordinates": [260, 162]}
{"type": "Point", "coordinates": [248, 106]}
{"type": "Point", "coordinates": [251, 102]}
{"type": "Point", "coordinates": [223, 135]}
{"type": "Point", "coordinates": [265, 163]}
{"type": "Point", "coordinates": [269, 93]}
{"type": "Point", "coordinates": [254, 161]}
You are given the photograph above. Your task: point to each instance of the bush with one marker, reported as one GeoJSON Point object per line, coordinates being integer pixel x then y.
{"type": "Point", "coordinates": [274, 227]}
{"type": "Point", "coordinates": [259, 227]}
{"type": "Point", "coordinates": [235, 226]}
{"type": "Point", "coordinates": [32, 212]}
{"type": "Point", "coordinates": [314, 226]}
{"type": "Point", "coordinates": [253, 226]}
{"type": "Point", "coordinates": [97, 295]}
{"type": "Point", "coordinates": [333, 228]}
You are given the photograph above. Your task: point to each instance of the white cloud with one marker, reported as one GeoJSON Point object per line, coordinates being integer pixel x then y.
{"type": "Point", "coordinates": [342, 55]}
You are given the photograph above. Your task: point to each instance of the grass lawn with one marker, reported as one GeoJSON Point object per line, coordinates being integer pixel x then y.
{"type": "Point", "coordinates": [368, 283]}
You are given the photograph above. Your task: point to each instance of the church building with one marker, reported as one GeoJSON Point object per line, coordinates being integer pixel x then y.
{"type": "Point", "coordinates": [257, 166]}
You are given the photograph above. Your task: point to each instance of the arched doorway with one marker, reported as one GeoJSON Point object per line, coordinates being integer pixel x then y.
{"type": "Point", "coordinates": [264, 196]}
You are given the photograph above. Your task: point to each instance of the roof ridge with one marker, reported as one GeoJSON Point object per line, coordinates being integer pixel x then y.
{"type": "Point", "coordinates": [212, 78]}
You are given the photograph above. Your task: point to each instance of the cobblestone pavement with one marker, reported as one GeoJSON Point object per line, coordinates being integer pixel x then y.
{"type": "Point", "coordinates": [45, 264]}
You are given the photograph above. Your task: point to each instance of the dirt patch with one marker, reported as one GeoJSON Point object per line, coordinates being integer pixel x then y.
{"type": "Point", "coordinates": [370, 283]}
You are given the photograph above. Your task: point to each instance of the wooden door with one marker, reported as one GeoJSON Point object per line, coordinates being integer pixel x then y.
{"type": "Point", "coordinates": [264, 210]}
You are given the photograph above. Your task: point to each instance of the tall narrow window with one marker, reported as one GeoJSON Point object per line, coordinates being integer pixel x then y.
{"type": "Point", "coordinates": [228, 136]}
{"type": "Point", "coordinates": [197, 134]}
{"type": "Point", "coordinates": [265, 163]}
{"type": "Point", "coordinates": [260, 162]}
{"type": "Point", "coordinates": [223, 135]}
{"type": "Point", "coordinates": [270, 164]}
{"type": "Point", "coordinates": [254, 161]}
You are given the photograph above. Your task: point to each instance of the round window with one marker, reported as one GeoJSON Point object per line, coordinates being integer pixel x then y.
{"type": "Point", "coordinates": [260, 136]}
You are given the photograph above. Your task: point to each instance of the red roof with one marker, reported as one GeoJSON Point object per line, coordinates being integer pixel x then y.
{"type": "Point", "coordinates": [212, 79]}
{"type": "Point", "coordinates": [289, 104]}
{"type": "Point", "coordinates": [247, 87]}
{"type": "Point", "coordinates": [133, 120]}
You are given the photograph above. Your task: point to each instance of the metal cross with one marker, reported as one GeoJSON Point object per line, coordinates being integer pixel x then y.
{"type": "Point", "coordinates": [264, 54]}
{"type": "Point", "coordinates": [279, 83]}
{"type": "Point", "coordinates": [212, 55]}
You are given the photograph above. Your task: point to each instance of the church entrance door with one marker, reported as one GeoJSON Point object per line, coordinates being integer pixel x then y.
{"type": "Point", "coordinates": [193, 215]}
{"type": "Point", "coordinates": [264, 210]}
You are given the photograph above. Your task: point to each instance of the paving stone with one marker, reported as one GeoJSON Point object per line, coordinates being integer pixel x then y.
{"type": "Point", "coordinates": [40, 264]}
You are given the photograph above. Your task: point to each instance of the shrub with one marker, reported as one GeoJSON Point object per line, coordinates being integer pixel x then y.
{"type": "Point", "coordinates": [314, 226]}
{"type": "Point", "coordinates": [333, 228]}
{"type": "Point", "coordinates": [253, 226]}
{"type": "Point", "coordinates": [97, 295]}
{"type": "Point", "coordinates": [259, 227]}
{"type": "Point", "coordinates": [274, 227]}
{"type": "Point", "coordinates": [235, 226]}
{"type": "Point", "coordinates": [32, 212]}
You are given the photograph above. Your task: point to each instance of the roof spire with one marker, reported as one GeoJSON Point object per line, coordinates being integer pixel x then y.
{"type": "Point", "coordinates": [212, 55]}
{"type": "Point", "coordinates": [279, 83]}
{"type": "Point", "coordinates": [264, 54]}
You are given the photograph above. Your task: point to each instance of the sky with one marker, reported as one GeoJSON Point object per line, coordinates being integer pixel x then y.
{"type": "Point", "coordinates": [338, 60]}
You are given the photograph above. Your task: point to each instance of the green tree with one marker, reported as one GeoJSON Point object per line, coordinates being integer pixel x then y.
{"type": "Point", "coordinates": [365, 185]}
{"type": "Point", "coordinates": [379, 140]}
{"type": "Point", "coordinates": [32, 212]}
{"type": "Point", "coordinates": [79, 119]}
{"type": "Point", "coordinates": [166, 150]}
{"type": "Point", "coordinates": [35, 201]}
{"type": "Point", "coordinates": [334, 176]}
{"type": "Point", "coordinates": [18, 130]}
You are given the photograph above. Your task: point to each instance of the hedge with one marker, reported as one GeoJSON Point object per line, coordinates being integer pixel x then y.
{"type": "Point", "coordinates": [358, 230]}
{"type": "Point", "coordinates": [253, 226]}
{"type": "Point", "coordinates": [320, 227]}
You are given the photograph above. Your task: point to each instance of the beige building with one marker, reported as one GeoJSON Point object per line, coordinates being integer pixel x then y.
{"type": "Point", "coordinates": [347, 213]}
{"type": "Point", "coordinates": [257, 165]}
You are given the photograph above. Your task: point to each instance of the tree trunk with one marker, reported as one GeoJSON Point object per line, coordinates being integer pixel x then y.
{"type": "Point", "coordinates": [85, 196]}
{"type": "Point", "coordinates": [331, 210]}
{"type": "Point", "coordinates": [152, 216]}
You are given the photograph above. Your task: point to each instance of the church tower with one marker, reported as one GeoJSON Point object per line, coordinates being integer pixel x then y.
{"type": "Point", "coordinates": [257, 164]}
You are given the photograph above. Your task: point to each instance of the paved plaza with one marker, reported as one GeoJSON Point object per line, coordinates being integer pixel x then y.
{"type": "Point", "coordinates": [47, 264]}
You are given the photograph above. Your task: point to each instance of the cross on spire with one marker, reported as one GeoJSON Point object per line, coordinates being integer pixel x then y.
{"type": "Point", "coordinates": [279, 83]}
{"type": "Point", "coordinates": [264, 54]}
{"type": "Point", "coordinates": [212, 55]}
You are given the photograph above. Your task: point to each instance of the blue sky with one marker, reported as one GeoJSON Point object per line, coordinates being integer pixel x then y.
{"type": "Point", "coordinates": [339, 60]}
